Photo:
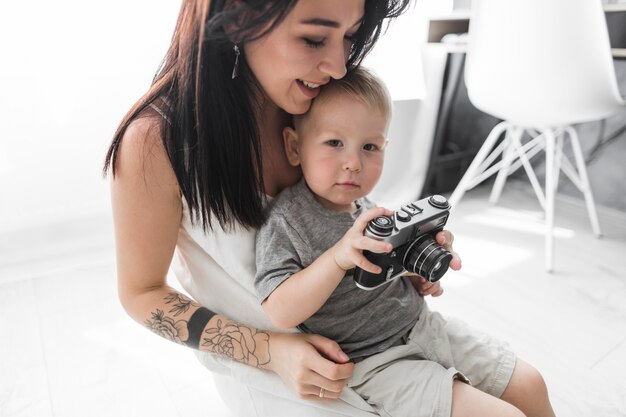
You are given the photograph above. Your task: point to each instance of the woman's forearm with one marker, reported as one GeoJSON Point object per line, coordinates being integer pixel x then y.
{"type": "Point", "coordinates": [303, 293]}
{"type": "Point", "coordinates": [177, 318]}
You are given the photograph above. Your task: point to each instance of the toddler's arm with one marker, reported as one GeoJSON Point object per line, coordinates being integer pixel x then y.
{"type": "Point", "coordinates": [303, 293]}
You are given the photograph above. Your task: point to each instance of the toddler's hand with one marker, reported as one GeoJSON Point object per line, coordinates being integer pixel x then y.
{"type": "Point", "coordinates": [348, 252]}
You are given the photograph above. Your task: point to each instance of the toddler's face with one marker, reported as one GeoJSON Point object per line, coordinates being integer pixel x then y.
{"type": "Point", "coordinates": [340, 147]}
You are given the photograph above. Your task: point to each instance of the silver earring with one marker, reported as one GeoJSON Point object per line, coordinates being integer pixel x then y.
{"type": "Point", "coordinates": [236, 66]}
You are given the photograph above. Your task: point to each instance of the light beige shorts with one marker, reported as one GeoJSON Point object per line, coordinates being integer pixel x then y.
{"type": "Point", "coordinates": [415, 379]}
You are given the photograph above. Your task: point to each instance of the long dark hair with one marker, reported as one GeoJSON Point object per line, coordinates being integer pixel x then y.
{"type": "Point", "coordinates": [211, 134]}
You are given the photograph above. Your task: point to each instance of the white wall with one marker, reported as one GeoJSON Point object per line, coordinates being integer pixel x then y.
{"type": "Point", "coordinates": [70, 69]}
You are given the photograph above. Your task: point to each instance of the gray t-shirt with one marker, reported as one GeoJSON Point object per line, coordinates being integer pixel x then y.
{"type": "Point", "coordinates": [298, 230]}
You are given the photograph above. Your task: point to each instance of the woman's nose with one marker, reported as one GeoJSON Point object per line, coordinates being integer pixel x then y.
{"type": "Point", "coordinates": [333, 62]}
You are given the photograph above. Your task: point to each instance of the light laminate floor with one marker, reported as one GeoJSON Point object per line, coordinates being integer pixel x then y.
{"type": "Point", "coordinates": [67, 348]}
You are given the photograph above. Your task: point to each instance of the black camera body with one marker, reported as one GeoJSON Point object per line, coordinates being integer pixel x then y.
{"type": "Point", "coordinates": [411, 231]}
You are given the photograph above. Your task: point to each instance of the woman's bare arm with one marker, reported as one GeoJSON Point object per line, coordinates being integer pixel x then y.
{"type": "Point", "coordinates": [147, 211]}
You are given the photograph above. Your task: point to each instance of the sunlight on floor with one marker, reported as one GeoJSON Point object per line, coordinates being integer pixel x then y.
{"type": "Point", "coordinates": [515, 220]}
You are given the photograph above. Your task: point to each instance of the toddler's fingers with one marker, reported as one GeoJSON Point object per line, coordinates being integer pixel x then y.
{"type": "Point", "coordinates": [366, 265]}
{"type": "Point", "coordinates": [373, 245]}
{"type": "Point", "coordinates": [361, 222]}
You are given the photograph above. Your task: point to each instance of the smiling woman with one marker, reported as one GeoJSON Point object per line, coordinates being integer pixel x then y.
{"type": "Point", "coordinates": [305, 52]}
{"type": "Point", "coordinates": [193, 162]}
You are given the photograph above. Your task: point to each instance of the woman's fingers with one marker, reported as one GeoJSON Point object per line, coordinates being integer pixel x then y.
{"type": "Point", "coordinates": [307, 363]}
{"type": "Point", "coordinates": [332, 389]}
{"type": "Point", "coordinates": [433, 289]}
{"type": "Point", "coordinates": [328, 348]}
{"type": "Point", "coordinates": [445, 238]}
{"type": "Point", "coordinates": [331, 370]}
{"type": "Point", "coordinates": [425, 287]}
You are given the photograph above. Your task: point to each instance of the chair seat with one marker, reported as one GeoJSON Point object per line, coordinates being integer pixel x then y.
{"type": "Point", "coordinates": [540, 66]}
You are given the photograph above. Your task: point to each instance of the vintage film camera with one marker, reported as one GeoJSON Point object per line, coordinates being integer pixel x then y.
{"type": "Point", "coordinates": [411, 232]}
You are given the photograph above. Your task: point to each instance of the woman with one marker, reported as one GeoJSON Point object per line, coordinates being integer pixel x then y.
{"type": "Point", "coordinates": [193, 162]}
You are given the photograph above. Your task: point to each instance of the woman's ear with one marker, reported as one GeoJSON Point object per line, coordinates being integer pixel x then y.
{"type": "Point", "coordinates": [292, 146]}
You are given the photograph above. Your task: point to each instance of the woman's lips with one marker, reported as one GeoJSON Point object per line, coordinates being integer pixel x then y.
{"type": "Point", "coordinates": [311, 90]}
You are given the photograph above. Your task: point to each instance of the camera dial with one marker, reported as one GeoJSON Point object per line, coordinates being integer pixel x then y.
{"type": "Point", "coordinates": [439, 201]}
{"type": "Point", "coordinates": [380, 226]}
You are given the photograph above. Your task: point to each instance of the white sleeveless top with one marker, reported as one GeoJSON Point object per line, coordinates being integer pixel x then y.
{"type": "Point", "coordinates": [217, 269]}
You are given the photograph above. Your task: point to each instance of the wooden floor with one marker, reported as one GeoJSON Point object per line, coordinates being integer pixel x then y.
{"type": "Point", "coordinates": [67, 348]}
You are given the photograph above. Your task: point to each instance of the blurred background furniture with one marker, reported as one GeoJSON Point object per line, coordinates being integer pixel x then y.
{"type": "Point", "coordinates": [461, 127]}
{"type": "Point", "coordinates": [540, 67]}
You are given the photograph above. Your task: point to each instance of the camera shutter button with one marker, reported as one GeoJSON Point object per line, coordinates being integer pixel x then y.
{"type": "Point", "coordinates": [403, 216]}
{"type": "Point", "coordinates": [438, 201]}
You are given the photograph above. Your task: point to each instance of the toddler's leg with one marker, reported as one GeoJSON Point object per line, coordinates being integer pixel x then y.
{"type": "Point", "coordinates": [468, 401]}
{"type": "Point", "coordinates": [528, 392]}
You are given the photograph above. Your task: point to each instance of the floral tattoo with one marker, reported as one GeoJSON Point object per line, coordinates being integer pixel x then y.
{"type": "Point", "coordinates": [229, 339]}
{"type": "Point", "coordinates": [181, 303]}
{"type": "Point", "coordinates": [238, 342]}
{"type": "Point", "coordinates": [167, 327]}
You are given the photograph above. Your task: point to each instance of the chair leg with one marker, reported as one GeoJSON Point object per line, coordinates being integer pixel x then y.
{"type": "Point", "coordinates": [584, 180]}
{"type": "Point", "coordinates": [550, 189]}
{"type": "Point", "coordinates": [472, 170]}
{"type": "Point", "coordinates": [508, 155]}
{"type": "Point", "coordinates": [558, 158]}
{"type": "Point", "coordinates": [530, 172]}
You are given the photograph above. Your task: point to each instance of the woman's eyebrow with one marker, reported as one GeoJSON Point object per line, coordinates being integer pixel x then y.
{"type": "Point", "coordinates": [317, 21]}
{"type": "Point", "coordinates": [321, 22]}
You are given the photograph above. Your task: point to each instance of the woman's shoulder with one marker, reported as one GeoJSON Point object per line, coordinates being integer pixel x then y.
{"type": "Point", "coordinates": [141, 152]}
{"type": "Point", "coordinates": [145, 128]}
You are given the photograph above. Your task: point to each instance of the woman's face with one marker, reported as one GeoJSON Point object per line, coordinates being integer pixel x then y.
{"type": "Point", "coordinates": [305, 51]}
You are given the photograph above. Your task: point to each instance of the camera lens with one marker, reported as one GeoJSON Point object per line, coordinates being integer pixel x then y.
{"type": "Point", "coordinates": [426, 258]}
{"type": "Point", "coordinates": [381, 226]}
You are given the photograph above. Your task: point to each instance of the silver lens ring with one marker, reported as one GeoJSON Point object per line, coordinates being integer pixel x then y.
{"type": "Point", "coordinates": [424, 260]}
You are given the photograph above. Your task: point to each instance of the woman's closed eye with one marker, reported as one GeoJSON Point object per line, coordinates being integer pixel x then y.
{"type": "Point", "coordinates": [351, 38]}
{"type": "Point", "coordinates": [320, 42]}
{"type": "Point", "coordinates": [314, 43]}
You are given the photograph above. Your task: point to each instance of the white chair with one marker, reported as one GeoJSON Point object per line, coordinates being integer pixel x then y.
{"type": "Point", "coordinates": [541, 66]}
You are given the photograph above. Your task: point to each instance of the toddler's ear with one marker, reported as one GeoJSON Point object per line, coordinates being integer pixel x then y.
{"type": "Point", "coordinates": [292, 149]}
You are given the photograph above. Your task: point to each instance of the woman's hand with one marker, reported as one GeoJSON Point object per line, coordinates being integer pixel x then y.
{"type": "Point", "coordinates": [434, 289]}
{"type": "Point", "coordinates": [445, 239]}
{"type": "Point", "coordinates": [308, 363]}
{"type": "Point", "coordinates": [424, 287]}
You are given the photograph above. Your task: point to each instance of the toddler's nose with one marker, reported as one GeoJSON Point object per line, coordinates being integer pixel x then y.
{"type": "Point", "coordinates": [352, 163]}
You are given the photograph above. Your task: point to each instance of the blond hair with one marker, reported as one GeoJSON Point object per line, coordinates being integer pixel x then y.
{"type": "Point", "coordinates": [360, 84]}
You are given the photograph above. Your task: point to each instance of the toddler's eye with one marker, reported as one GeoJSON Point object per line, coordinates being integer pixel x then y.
{"type": "Point", "coordinates": [370, 147]}
{"type": "Point", "coordinates": [335, 143]}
